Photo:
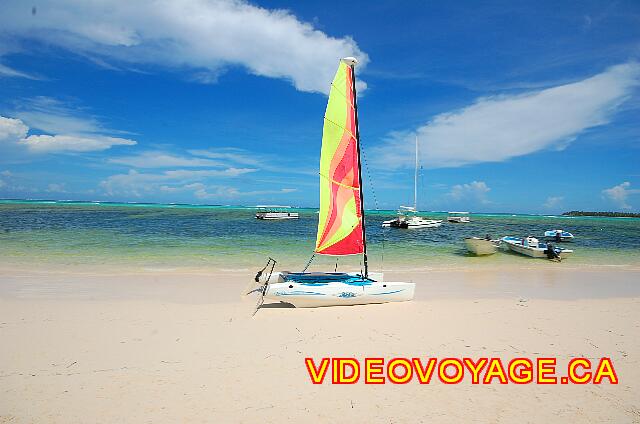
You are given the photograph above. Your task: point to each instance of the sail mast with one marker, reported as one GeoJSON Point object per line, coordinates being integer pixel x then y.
{"type": "Point", "coordinates": [355, 108]}
{"type": "Point", "coordinates": [415, 181]}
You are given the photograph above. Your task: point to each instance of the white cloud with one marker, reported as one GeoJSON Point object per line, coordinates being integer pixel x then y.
{"type": "Point", "coordinates": [56, 188]}
{"type": "Point", "coordinates": [6, 71]}
{"type": "Point", "coordinates": [498, 128]}
{"type": "Point", "coordinates": [620, 193]}
{"type": "Point", "coordinates": [231, 154]}
{"type": "Point", "coordinates": [203, 192]}
{"type": "Point", "coordinates": [135, 183]}
{"type": "Point", "coordinates": [12, 129]}
{"type": "Point", "coordinates": [68, 130]}
{"type": "Point", "coordinates": [72, 143]}
{"type": "Point", "coordinates": [163, 160]}
{"type": "Point", "coordinates": [203, 36]}
{"type": "Point", "coordinates": [553, 201]}
{"type": "Point", "coordinates": [54, 117]}
{"type": "Point", "coordinates": [474, 191]}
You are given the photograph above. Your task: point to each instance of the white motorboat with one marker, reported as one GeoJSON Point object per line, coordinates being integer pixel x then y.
{"type": "Point", "coordinates": [482, 246]}
{"type": "Point", "coordinates": [407, 215]}
{"type": "Point", "coordinates": [530, 246]}
{"type": "Point", "coordinates": [341, 221]}
{"type": "Point", "coordinates": [558, 235]}
{"type": "Point", "coordinates": [459, 217]}
{"type": "Point", "coordinates": [275, 213]}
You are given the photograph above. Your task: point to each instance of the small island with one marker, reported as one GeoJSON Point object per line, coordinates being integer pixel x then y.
{"type": "Point", "coordinates": [607, 214]}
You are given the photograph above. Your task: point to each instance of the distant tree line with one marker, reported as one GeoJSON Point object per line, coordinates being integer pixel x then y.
{"type": "Point", "coordinates": [610, 214]}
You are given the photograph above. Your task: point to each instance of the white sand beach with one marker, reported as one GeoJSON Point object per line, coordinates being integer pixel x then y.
{"type": "Point", "coordinates": [178, 346]}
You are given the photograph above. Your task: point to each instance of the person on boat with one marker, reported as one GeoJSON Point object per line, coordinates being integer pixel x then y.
{"type": "Point", "coordinates": [558, 236]}
{"type": "Point", "coordinates": [551, 253]}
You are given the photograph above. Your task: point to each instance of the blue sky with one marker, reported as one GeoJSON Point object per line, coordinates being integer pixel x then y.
{"type": "Point", "coordinates": [518, 106]}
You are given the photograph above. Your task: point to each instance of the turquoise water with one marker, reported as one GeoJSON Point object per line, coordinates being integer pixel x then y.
{"type": "Point", "coordinates": [224, 237]}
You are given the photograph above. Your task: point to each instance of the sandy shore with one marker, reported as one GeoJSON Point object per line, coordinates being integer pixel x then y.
{"type": "Point", "coordinates": [175, 346]}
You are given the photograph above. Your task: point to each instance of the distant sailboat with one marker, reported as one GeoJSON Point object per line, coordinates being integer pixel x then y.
{"type": "Point", "coordinates": [341, 226]}
{"type": "Point", "coordinates": [407, 217]}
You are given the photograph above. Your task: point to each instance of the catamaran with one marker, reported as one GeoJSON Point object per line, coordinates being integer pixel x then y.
{"type": "Point", "coordinates": [341, 226]}
{"type": "Point", "coordinates": [407, 217]}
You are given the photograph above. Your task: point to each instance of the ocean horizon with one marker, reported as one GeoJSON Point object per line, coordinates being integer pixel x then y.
{"type": "Point", "coordinates": [292, 208]}
{"type": "Point", "coordinates": [71, 232]}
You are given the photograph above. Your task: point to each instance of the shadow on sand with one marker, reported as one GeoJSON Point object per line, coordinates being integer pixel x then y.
{"type": "Point", "coordinates": [279, 305]}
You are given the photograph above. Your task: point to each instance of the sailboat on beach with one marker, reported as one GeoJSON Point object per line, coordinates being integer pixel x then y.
{"type": "Point", "coordinates": [407, 216]}
{"type": "Point", "coordinates": [341, 223]}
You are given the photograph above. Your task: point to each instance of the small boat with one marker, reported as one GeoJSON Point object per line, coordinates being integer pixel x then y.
{"type": "Point", "coordinates": [341, 221]}
{"type": "Point", "coordinates": [458, 217]}
{"type": "Point", "coordinates": [530, 246]}
{"type": "Point", "coordinates": [482, 246]}
{"type": "Point", "coordinates": [407, 217]}
{"type": "Point", "coordinates": [275, 213]}
{"type": "Point", "coordinates": [558, 235]}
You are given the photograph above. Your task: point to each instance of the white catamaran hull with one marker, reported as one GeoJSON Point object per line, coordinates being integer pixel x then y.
{"type": "Point", "coordinates": [336, 293]}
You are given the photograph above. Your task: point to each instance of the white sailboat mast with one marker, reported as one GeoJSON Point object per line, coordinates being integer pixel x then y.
{"type": "Point", "coordinates": [415, 181]}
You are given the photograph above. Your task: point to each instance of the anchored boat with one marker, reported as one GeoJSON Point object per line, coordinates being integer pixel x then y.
{"type": "Point", "coordinates": [341, 226]}
{"type": "Point", "coordinates": [459, 217]}
{"type": "Point", "coordinates": [408, 219]}
{"type": "Point", "coordinates": [407, 215]}
{"type": "Point", "coordinates": [482, 246]}
{"type": "Point", "coordinates": [530, 246]}
{"type": "Point", "coordinates": [275, 213]}
{"type": "Point", "coordinates": [558, 235]}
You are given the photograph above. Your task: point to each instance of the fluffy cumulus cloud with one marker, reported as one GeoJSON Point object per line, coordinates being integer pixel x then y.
{"type": "Point", "coordinates": [619, 194]}
{"type": "Point", "coordinates": [12, 129]}
{"type": "Point", "coordinates": [495, 129]}
{"type": "Point", "coordinates": [202, 36]}
{"type": "Point", "coordinates": [67, 130]}
{"type": "Point", "coordinates": [475, 191]}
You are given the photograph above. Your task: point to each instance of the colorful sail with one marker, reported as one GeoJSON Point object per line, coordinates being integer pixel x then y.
{"type": "Point", "coordinates": [340, 218]}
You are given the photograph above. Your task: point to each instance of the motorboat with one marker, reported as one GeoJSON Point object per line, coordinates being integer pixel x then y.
{"type": "Point", "coordinates": [482, 246]}
{"type": "Point", "coordinates": [530, 246]}
{"type": "Point", "coordinates": [558, 235]}
{"type": "Point", "coordinates": [276, 213]}
{"type": "Point", "coordinates": [458, 217]}
{"type": "Point", "coordinates": [341, 220]}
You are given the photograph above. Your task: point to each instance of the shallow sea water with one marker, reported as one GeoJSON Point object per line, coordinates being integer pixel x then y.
{"type": "Point", "coordinates": [162, 236]}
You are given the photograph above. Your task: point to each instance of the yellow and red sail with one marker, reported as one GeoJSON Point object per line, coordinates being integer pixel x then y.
{"type": "Point", "coordinates": [340, 217]}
